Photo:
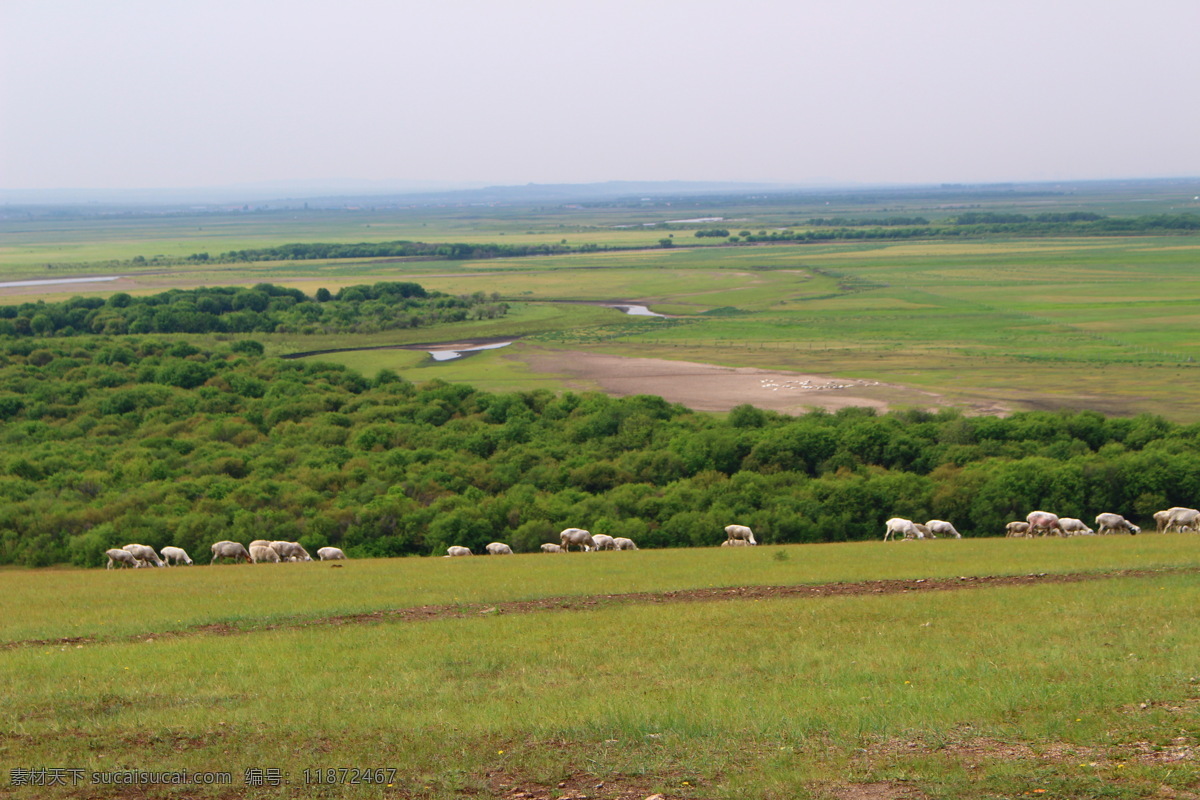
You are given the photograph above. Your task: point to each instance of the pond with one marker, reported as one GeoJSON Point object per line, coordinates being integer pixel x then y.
{"type": "Point", "coordinates": [633, 310]}
{"type": "Point", "coordinates": [56, 281]}
{"type": "Point", "coordinates": [450, 355]}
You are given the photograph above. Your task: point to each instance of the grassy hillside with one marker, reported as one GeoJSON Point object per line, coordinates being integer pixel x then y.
{"type": "Point", "coordinates": [1069, 690]}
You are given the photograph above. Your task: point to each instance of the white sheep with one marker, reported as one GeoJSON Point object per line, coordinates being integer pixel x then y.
{"type": "Point", "coordinates": [623, 543]}
{"type": "Point", "coordinates": [498, 549]}
{"type": "Point", "coordinates": [260, 543]}
{"type": "Point", "coordinates": [260, 554]}
{"type": "Point", "coordinates": [552, 548]}
{"type": "Point", "coordinates": [942, 528]}
{"type": "Point", "coordinates": [330, 554]}
{"type": "Point", "coordinates": [290, 551]}
{"type": "Point", "coordinates": [452, 552]}
{"type": "Point", "coordinates": [1043, 522]}
{"type": "Point", "coordinates": [145, 554]}
{"type": "Point", "coordinates": [227, 549]}
{"type": "Point", "coordinates": [1017, 528]}
{"type": "Point", "coordinates": [740, 532]}
{"type": "Point", "coordinates": [176, 554]}
{"type": "Point", "coordinates": [902, 528]}
{"type": "Point", "coordinates": [122, 557]}
{"type": "Point", "coordinates": [735, 543]}
{"type": "Point", "coordinates": [1108, 523]}
{"type": "Point", "coordinates": [1074, 527]}
{"type": "Point", "coordinates": [577, 537]}
{"type": "Point", "coordinates": [1183, 519]}
{"type": "Point", "coordinates": [603, 542]}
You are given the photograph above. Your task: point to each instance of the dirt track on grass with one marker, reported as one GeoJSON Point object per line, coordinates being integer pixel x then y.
{"type": "Point", "coordinates": [591, 602]}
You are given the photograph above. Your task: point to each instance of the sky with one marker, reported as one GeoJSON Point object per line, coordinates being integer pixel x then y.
{"type": "Point", "coordinates": [127, 94]}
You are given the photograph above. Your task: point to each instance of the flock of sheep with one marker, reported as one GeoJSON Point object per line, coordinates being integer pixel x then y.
{"type": "Point", "coordinates": [736, 535]}
{"type": "Point", "coordinates": [1041, 523]}
{"type": "Point", "coordinates": [1036, 523]}
{"type": "Point", "coordinates": [905, 529]}
{"type": "Point", "coordinates": [261, 551]}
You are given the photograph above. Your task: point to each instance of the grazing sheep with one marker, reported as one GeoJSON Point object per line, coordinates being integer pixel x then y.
{"type": "Point", "coordinates": [923, 531]}
{"type": "Point", "coordinates": [904, 528]}
{"type": "Point", "coordinates": [290, 551]}
{"type": "Point", "coordinates": [604, 542]}
{"type": "Point", "coordinates": [1182, 519]}
{"type": "Point", "coordinates": [145, 554]}
{"type": "Point", "coordinates": [1162, 519]}
{"type": "Point", "coordinates": [942, 528]}
{"type": "Point", "coordinates": [259, 543]}
{"type": "Point", "coordinates": [740, 532]}
{"type": "Point", "coordinates": [1109, 523]}
{"type": "Point", "coordinates": [1043, 521]}
{"type": "Point", "coordinates": [1017, 529]}
{"type": "Point", "coordinates": [552, 548]}
{"type": "Point", "coordinates": [735, 543]}
{"type": "Point", "coordinates": [176, 554]}
{"type": "Point", "coordinates": [1074, 527]}
{"type": "Point", "coordinates": [457, 551]}
{"type": "Point", "coordinates": [260, 554]}
{"type": "Point", "coordinates": [625, 544]}
{"type": "Point", "coordinates": [498, 549]}
{"type": "Point", "coordinates": [577, 537]}
{"type": "Point", "coordinates": [227, 549]}
{"type": "Point", "coordinates": [330, 554]}
{"type": "Point", "coordinates": [122, 557]}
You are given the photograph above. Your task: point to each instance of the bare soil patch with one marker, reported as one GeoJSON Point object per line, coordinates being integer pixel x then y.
{"type": "Point", "coordinates": [711, 387]}
{"type": "Point", "coordinates": [575, 787]}
{"type": "Point", "coordinates": [879, 790]}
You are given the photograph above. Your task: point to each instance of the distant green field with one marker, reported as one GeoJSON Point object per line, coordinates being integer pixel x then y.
{"type": "Point", "coordinates": [1066, 690]}
{"type": "Point", "coordinates": [1102, 323]}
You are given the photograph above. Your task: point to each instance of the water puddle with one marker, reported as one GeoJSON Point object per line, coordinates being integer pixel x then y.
{"type": "Point", "coordinates": [57, 281]}
{"type": "Point", "coordinates": [634, 311]}
{"type": "Point", "coordinates": [450, 355]}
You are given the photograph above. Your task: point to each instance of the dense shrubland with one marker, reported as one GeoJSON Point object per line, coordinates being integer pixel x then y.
{"type": "Point", "coordinates": [108, 440]}
{"type": "Point", "coordinates": [263, 308]}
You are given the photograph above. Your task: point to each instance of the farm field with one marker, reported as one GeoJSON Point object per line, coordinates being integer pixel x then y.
{"type": "Point", "coordinates": [530, 677]}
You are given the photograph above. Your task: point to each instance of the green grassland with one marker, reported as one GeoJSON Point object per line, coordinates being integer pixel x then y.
{"type": "Point", "coordinates": [1103, 324]}
{"type": "Point", "coordinates": [1070, 690]}
{"type": "Point", "coordinates": [1095, 323]}
{"type": "Point", "coordinates": [185, 598]}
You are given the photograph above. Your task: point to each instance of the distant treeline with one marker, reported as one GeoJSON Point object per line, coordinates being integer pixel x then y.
{"type": "Point", "coordinates": [855, 223]}
{"type": "Point", "coordinates": [262, 308]}
{"type": "Point", "coordinates": [398, 249]}
{"type": "Point", "coordinates": [980, 224]}
{"type": "Point", "coordinates": [821, 230]}
{"type": "Point", "coordinates": [111, 440]}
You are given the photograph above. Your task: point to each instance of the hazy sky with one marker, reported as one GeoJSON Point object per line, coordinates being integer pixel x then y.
{"type": "Point", "coordinates": [170, 93]}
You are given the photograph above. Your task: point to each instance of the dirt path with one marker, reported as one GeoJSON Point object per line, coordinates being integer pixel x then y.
{"type": "Point", "coordinates": [589, 602]}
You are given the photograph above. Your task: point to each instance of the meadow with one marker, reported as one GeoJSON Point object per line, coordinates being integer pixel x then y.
{"type": "Point", "coordinates": [532, 677]}
{"type": "Point", "coordinates": [1104, 323]}
{"type": "Point", "coordinates": [1077, 689]}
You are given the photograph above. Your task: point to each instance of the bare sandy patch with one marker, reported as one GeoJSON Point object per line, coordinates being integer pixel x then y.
{"type": "Point", "coordinates": [712, 387]}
